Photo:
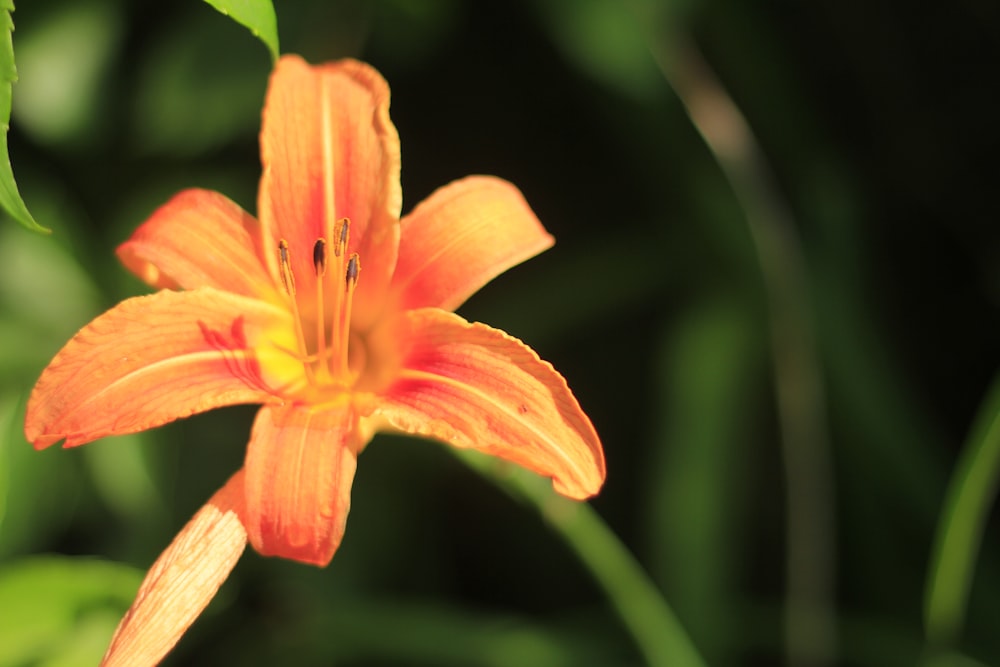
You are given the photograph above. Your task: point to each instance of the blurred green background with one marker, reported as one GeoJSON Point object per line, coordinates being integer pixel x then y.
{"type": "Point", "coordinates": [784, 355]}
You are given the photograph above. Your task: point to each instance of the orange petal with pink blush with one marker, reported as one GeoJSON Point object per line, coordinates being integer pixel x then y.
{"type": "Point", "coordinates": [199, 239]}
{"type": "Point", "coordinates": [460, 238]}
{"type": "Point", "coordinates": [330, 152]}
{"type": "Point", "coordinates": [476, 387]}
{"type": "Point", "coordinates": [151, 360]}
{"type": "Point", "coordinates": [299, 469]}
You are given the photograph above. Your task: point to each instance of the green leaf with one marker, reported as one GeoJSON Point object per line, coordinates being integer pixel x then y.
{"type": "Point", "coordinates": [10, 198]}
{"type": "Point", "coordinates": [257, 15]}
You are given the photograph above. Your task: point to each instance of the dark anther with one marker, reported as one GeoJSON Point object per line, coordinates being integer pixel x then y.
{"type": "Point", "coordinates": [345, 226]}
{"type": "Point", "coordinates": [353, 267]}
{"type": "Point", "coordinates": [285, 268]}
{"type": "Point", "coordinates": [319, 257]}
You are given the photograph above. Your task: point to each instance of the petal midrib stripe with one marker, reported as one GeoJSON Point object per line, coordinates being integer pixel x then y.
{"type": "Point", "coordinates": [189, 358]}
{"type": "Point", "coordinates": [413, 374]}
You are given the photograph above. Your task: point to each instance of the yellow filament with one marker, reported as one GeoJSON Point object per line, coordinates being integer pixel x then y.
{"type": "Point", "coordinates": [344, 316]}
{"type": "Point", "coordinates": [319, 260]}
{"type": "Point", "coordinates": [288, 280]}
{"type": "Point", "coordinates": [339, 330]}
{"type": "Point", "coordinates": [331, 361]}
{"type": "Point", "coordinates": [285, 266]}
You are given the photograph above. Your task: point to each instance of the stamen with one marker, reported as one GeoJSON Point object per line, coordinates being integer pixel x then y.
{"type": "Point", "coordinates": [339, 331]}
{"type": "Point", "coordinates": [330, 361]}
{"type": "Point", "coordinates": [288, 280]}
{"type": "Point", "coordinates": [353, 269]}
{"type": "Point", "coordinates": [319, 257]}
{"type": "Point", "coordinates": [345, 228]}
{"type": "Point", "coordinates": [344, 315]}
{"type": "Point", "coordinates": [319, 261]}
{"type": "Point", "coordinates": [285, 267]}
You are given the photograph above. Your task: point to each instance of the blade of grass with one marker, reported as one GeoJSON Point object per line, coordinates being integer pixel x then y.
{"type": "Point", "coordinates": [647, 616]}
{"type": "Point", "coordinates": [970, 495]}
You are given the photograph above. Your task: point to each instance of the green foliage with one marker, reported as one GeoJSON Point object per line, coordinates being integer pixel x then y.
{"type": "Point", "coordinates": [59, 611]}
{"type": "Point", "coordinates": [64, 64]}
{"type": "Point", "coordinates": [706, 362]}
{"type": "Point", "coordinates": [10, 198]}
{"type": "Point", "coordinates": [199, 88]}
{"type": "Point", "coordinates": [257, 15]}
{"type": "Point", "coordinates": [682, 338]}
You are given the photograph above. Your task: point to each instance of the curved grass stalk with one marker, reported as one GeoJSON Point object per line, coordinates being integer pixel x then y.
{"type": "Point", "coordinates": [810, 633]}
{"type": "Point", "coordinates": [970, 494]}
{"type": "Point", "coordinates": [639, 603]}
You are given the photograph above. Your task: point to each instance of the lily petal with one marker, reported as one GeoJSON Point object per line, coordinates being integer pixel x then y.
{"type": "Point", "coordinates": [477, 387]}
{"type": "Point", "coordinates": [329, 152]}
{"type": "Point", "coordinates": [299, 469]}
{"type": "Point", "coordinates": [150, 360]}
{"type": "Point", "coordinates": [460, 238]}
{"type": "Point", "coordinates": [198, 239]}
{"type": "Point", "coordinates": [182, 581]}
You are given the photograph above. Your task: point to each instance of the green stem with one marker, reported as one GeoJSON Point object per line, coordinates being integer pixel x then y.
{"type": "Point", "coordinates": [644, 612]}
{"type": "Point", "coordinates": [971, 492]}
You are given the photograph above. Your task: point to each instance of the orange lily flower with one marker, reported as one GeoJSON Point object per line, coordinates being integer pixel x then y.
{"type": "Point", "coordinates": [331, 312]}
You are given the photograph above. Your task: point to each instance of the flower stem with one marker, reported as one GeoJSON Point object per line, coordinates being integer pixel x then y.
{"type": "Point", "coordinates": [647, 616]}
